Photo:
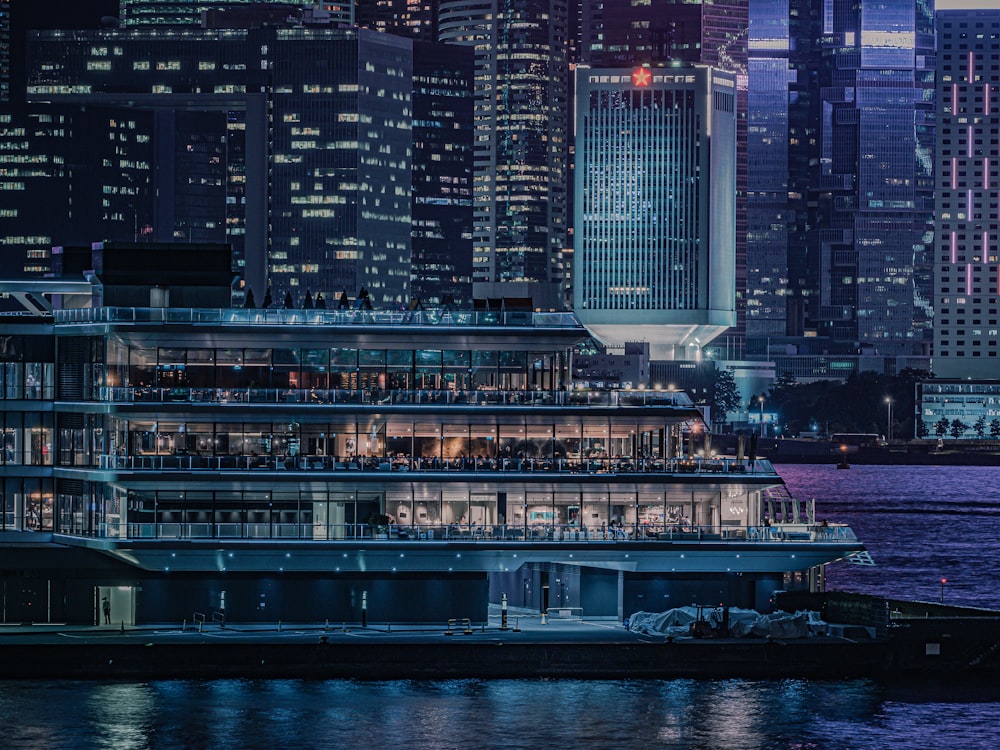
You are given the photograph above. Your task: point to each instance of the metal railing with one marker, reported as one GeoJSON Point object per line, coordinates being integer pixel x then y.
{"type": "Point", "coordinates": [332, 464]}
{"type": "Point", "coordinates": [377, 397]}
{"type": "Point", "coordinates": [491, 533]}
{"type": "Point", "coordinates": [282, 317]}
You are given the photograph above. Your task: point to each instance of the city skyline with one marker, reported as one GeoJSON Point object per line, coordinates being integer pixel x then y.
{"type": "Point", "coordinates": [838, 210]}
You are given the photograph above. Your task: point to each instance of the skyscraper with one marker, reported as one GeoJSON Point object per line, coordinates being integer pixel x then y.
{"type": "Point", "coordinates": [521, 141]}
{"type": "Point", "coordinates": [149, 13]}
{"type": "Point", "coordinates": [655, 193]}
{"type": "Point", "coordinates": [55, 180]}
{"type": "Point", "coordinates": [966, 287]}
{"type": "Point", "coordinates": [441, 233]}
{"type": "Point", "coordinates": [623, 33]}
{"type": "Point", "coordinates": [840, 122]}
{"type": "Point", "coordinates": [4, 51]}
{"type": "Point", "coordinates": [414, 19]}
{"type": "Point", "coordinates": [302, 139]}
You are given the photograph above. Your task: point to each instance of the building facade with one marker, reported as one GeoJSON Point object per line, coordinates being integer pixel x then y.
{"type": "Point", "coordinates": [955, 409]}
{"type": "Point", "coordinates": [443, 129]}
{"type": "Point", "coordinates": [841, 177]}
{"type": "Point", "coordinates": [307, 169]}
{"type": "Point", "coordinates": [655, 206]}
{"type": "Point", "coordinates": [63, 170]}
{"type": "Point", "coordinates": [622, 33]}
{"type": "Point", "coordinates": [152, 13]}
{"type": "Point", "coordinates": [968, 207]}
{"type": "Point", "coordinates": [521, 146]}
{"type": "Point", "coordinates": [287, 464]}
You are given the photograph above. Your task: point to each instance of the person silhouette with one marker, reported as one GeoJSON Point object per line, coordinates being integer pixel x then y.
{"type": "Point", "coordinates": [106, 608]}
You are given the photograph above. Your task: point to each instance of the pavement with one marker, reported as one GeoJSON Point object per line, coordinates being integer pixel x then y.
{"type": "Point", "coordinates": [528, 628]}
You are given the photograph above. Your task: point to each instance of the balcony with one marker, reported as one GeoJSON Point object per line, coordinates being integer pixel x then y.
{"type": "Point", "coordinates": [494, 534]}
{"type": "Point", "coordinates": [374, 397]}
{"type": "Point", "coordinates": [281, 317]}
{"type": "Point", "coordinates": [413, 466]}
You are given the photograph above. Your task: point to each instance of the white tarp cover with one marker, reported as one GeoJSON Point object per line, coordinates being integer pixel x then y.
{"type": "Point", "coordinates": [742, 622]}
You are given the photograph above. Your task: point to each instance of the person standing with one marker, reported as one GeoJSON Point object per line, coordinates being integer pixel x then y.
{"type": "Point", "coordinates": [106, 608]}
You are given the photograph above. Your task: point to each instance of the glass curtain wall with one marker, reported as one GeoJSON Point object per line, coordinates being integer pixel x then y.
{"type": "Point", "coordinates": [295, 373]}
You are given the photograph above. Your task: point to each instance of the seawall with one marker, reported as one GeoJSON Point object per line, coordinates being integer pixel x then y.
{"type": "Point", "coordinates": [495, 658]}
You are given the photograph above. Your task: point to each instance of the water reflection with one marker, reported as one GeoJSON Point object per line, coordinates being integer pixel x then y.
{"type": "Point", "coordinates": [515, 714]}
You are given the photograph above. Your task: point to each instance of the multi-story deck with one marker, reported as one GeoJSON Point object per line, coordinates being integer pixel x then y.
{"type": "Point", "coordinates": [291, 464]}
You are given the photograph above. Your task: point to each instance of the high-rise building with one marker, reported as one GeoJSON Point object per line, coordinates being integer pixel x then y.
{"type": "Point", "coordinates": [841, 101]}
{"type": "Point", "coordinates": [148, 13]}
{"type": "Point", "coordinates": [4, 51]}
{"type": "Point", "coordinates": [441, 234]}
{"type": "Point", "coordinates": [966, 291]}
{"type": "Point", "coordinates": [783, 129]}
{"type": "Point", "coordinates": [655, 206]}
{"type": "Point", "coordinates": [623, 33]}
{"type": "Point", "coordinates": [64, 173]}
{"type": "Point", "coordinates": [414, 19]}
{"type": "Point", "coordinates": [521, 141]}
{"type": "Point", "coordinates": [298, 141]}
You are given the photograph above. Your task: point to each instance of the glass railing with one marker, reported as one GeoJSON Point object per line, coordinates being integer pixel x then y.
{"type": "Point", "coordinates": [478, 466]}
{"type": "Point", "coordinates": [282, 317]}
{"type": "Point", "coordinates": [377, 397]}
{"type": "Point", "coordinates": [548, 534]}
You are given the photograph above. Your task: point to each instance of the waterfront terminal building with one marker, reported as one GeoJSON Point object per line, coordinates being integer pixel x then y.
{"type": "Point", "coordinates": [301, 465]}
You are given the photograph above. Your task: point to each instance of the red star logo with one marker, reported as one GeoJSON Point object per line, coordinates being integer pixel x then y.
{"type": "Point", "coordinates": [640, 77]}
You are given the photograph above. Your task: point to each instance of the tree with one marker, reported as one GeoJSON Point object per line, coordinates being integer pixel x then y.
{"type": "Point", "coordinates": [995, 428]}
{"type": "Point", "coordinates": [941, 427]}
{"type": "Point", "coordinates": [921, 429]}
{"type": "Point", "coordinates": [785, 381]}
{"type": "Point", "coordinates": [725, 395]}
{"type": "Point", "coordinates": [958, 427]}
{"type": "Point", "coordinates": [980, 427]}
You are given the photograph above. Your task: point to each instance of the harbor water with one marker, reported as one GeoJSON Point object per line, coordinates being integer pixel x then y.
{"type": "Point", "coordinates": [921, 524]}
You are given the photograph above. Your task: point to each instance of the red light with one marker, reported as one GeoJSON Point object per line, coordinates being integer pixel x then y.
{"type": "Point", "coordinates": [944, 581]}
{"type": "Point", "coordinates": [641, 77]}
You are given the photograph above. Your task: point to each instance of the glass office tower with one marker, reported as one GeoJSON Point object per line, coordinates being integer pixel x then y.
{"type": "Point", "coordinates": [521, 145]}
{"type": "Point", "coordinates": [298, 141]}
{"type": "Point", "coordinates": [841, 128]}
{"type": "Point", "coordinates": [655, 206]}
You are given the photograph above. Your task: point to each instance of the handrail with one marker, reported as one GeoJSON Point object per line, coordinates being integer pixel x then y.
{"type": "Point", "coordinates": [280, 316]}
{"type": "Point", "coordinates": [380, 464]}
{"type": "Point", "coordinates": [543, 534]}
{"type": "Point", "coordinates": [388, 397]}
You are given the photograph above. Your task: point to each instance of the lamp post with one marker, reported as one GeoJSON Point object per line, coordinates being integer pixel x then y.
{"type": "Point", "coordinates": [943, 582]}
{"type": "Point", "coordinates": [761, 399]}
{"type": "Point", "coordinates": [888, 401]}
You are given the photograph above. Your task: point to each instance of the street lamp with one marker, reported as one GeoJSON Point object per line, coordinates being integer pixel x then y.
{"type": "Point", "coordinates": [888, 401]}
{"type": "Point", "coordinates": [761, 399]}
